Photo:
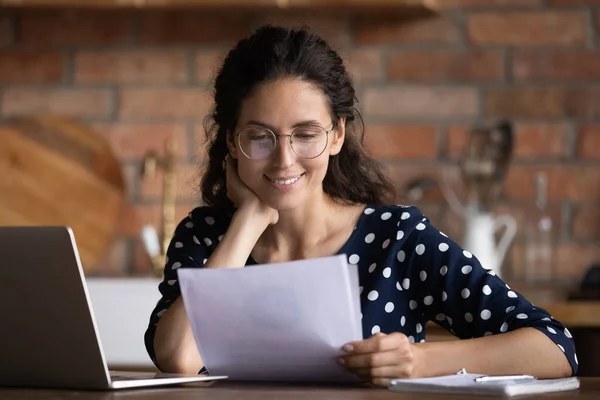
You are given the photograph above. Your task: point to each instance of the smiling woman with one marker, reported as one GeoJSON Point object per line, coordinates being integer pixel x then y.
{"type": "Point", "coordinates": [288, 178]}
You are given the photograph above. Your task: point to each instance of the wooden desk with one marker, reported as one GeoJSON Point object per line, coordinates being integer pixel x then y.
{"type": "Point", "coordinates": [226, 390]}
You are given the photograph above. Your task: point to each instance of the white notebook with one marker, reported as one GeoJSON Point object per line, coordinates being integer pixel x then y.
{"type": "Point", "coordinates": [467, 384]}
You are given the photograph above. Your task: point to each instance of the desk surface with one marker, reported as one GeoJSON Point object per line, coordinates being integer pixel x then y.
{"type": "Point", "coordinates": [590, 389]}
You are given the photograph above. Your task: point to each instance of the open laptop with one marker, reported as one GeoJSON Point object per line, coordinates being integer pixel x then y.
{"type": "Point", "coordinates": [48, 333]}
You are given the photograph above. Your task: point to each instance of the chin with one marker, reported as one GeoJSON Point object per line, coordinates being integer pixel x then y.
{"type": "Point", "coordinates": [282, 203]}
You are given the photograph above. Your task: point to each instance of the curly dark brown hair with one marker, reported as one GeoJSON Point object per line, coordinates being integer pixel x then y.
{"type": "Point", "coordinates": [271, 53]}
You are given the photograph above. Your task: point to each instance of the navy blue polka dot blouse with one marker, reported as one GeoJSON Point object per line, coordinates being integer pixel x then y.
{"type": "Point", "coordinates": [409, 273]}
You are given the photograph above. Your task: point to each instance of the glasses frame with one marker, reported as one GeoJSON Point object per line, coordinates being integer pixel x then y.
{"type": "Point", "coordinates": [327, 132]}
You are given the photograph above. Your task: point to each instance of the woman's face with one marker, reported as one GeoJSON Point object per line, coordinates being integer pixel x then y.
{"type": "Point", "coordinates": [284, 180]}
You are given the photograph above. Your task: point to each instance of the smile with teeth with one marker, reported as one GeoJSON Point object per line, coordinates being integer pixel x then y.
{"type": "Point", "coordinates": [285, 181]}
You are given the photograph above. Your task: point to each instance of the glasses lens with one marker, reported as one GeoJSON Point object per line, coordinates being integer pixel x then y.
{"type": "Point", "coordinates": [309, 141]}
{"type": "Point", "coordinates": [256, 143]}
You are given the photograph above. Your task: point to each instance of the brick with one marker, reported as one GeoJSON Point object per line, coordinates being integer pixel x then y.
{"type": "Point", "coordinates": [71, 102]}
{"type": "Point", "coordinates": [588, 142]}
{"type": "Point", "coordinates": [456, 141]}
{"type": "Point", "coordinates": [573, 2]}
{"type": "Point", "coordinates": [565, 182]}
{"type": "Point", "coordinates": [377, 30]}
{"type": "Point", "coordinates": [136, 66]}
{"type": "Point", "coordinates": [134, 140]}
{"type": "Point", "coordinates": [199, 147]}
{"type": "Point", "coordinates": [164, 103]}
{"type": "Point", "coordinates": [473, 66]}
{"type": "Point", "coordinates": [30, 67]}
{"type": "Point", "coordinates": [564, 66]}
{"type": "Point", "coordinates": [401, 141]}
{"type": "Point", "coordinates": [193, 27]}
{"type": "Point", "coordinates": [488, 3]}
{"type": "Point", "coordinates": [207, 64]}
{"type": "Point", "coordinates": [548, 102]}
{"type": "Point", "coordinates": [330, 26]}
{"type": "Point", "coordinates": [532, 140]}
{"type": "Point", "coordinates": [6, 30]}
{"type": "Point", "coordinates": [403, 175]}
{"type": "Point", "coordinates": [559, 28]}
{"type": "Point", "coordinates": [541, 140]}
{"type": "Point", "coordinates": [574, 259]}
{"type": "Point", "coordinates": [75, 27]}
{"type": "Point", "coordinates": [420, 101]}
{"type": "Point", "coordinates": [365, 65]}
{"type": "Point", "coordinates": [586, 221]}
{"type": "Point", "coordinates": [596, 23]}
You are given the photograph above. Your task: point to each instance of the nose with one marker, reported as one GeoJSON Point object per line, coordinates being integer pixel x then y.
{"type": "Point", "coordinates": [283, 156]}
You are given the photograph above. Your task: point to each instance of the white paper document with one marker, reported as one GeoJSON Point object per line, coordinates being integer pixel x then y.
{"type": "Point", "coordinates": [284, 321]}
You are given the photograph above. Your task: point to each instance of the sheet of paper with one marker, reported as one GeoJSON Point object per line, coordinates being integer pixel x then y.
{"type": "Point", "coordinates": [283, 321]}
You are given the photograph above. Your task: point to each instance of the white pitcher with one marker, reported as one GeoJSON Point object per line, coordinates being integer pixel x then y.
{"type": "Point", "coordinates": [480, 240]}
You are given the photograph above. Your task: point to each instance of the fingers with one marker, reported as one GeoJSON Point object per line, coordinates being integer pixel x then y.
{"type": "Point", "coordinates": [378, 343]}
{"type": "Point", "coordinates": [380, 358]}
{"type": "Point", "coordinates": [371, 360]}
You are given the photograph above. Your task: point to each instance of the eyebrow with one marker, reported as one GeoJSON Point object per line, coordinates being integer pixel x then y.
{"type": "Point", "coordinates": [271, 127]}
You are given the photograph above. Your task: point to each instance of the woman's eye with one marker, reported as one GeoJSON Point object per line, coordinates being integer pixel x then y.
{"type": "Point", "coordinates": [258, 137]}
{"type": "Point", "coordinates": [305, 136]}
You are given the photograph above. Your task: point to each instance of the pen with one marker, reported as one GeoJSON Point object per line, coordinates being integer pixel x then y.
{"type": "Point", "coordinates": [499, 378]}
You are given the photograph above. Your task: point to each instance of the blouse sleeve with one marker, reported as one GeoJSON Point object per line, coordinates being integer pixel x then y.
{"type": "Point", "coordinates": [453, 289]}
{"type": "Point", "coordinates": [187, 249]}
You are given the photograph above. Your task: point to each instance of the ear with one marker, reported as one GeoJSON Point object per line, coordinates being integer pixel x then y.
{"type": "Point", "coordinates": [232, 146]}
{"type": "Point", "coordinates": [339, 134]}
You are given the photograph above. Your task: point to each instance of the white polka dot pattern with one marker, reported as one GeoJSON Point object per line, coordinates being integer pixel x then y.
{"type": "Point", "coordinates": [373, 295]}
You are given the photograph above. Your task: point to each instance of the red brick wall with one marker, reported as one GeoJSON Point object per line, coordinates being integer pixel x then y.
{"type": "Point", "coordinates": [139, 77]}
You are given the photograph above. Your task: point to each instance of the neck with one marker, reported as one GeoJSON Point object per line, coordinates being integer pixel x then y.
{"type": "Point", "coordinates": [299, 231]}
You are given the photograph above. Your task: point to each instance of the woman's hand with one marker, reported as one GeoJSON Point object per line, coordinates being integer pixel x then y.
{"type": "Point", "coordinates": [241, 195]}
{"type": "Point", "coordinates": [381, 358]}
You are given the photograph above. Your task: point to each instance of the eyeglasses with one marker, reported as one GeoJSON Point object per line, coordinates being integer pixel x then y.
{"type": "Point", "coordinates": [257, 142]}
